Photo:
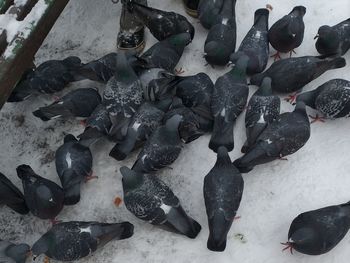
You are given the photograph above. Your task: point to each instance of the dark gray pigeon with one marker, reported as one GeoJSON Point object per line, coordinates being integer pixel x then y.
{"type": "Point", "coordinates": [75, 240]}
{"type": "Point", "coordinates": [150, 199]}
{"type": "Point", "coordinates": [122, 96]}
{"type": "Point", "coordinates": [162, 24]}
{"type": "Point", "coordinates": [263, 108]}
{"type": "Point", "coordinates": [189, 128]}
{"type": "Point", "coordinates": [288, 33]}
{"type": "Point", "coordinates": [334, 40]}
{"type": "Point", "coordinates": [208, 11]}
{"type": "Point", "coordinates": [77, 103]}
{"type": "Point", "coordinates": [73, 166]}
{"type": "Point", "coordinates": [223, 190]}
{"type": "Point", "coordinates": [11, 196]}
{"type": "Point", "coordinates": [332, 98]}
{"type": "Point", "coordinates": [161, 149]}
{"type": "Point", "coordinates": [255, 44]}
{"type": "Point", "coordinates": [292, 74]}
{"type": "Point", "coordinates": [221, 39]}
{"type": "Point", "coordinates": [11, 253]}
{"type": "Point", "coordinates": [165, 54]}
{"type": "Point", "coordinates": [49, 77]}
{"type": "Point", "coordinates": [144, 122]}
{"type": "Point", "coordinates": [319, 231]}
{"type": "Point", "coordinates": [283, 137]}
{"type": "Point", "coordinates": [43, 197]}
{"type": "Point", "coordinates": [228, 101]}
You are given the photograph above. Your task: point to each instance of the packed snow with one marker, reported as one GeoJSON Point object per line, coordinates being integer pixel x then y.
{"type": "Point", "coordinates": [316, 176]}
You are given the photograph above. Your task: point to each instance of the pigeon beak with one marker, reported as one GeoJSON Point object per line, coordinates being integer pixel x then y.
{"type": "Point", "coordinates": [316, 36]}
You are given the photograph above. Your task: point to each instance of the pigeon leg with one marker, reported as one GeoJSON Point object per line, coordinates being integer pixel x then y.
{"type": "Point", "coordinates": [117, 201]}
{"type": "Point", "coordinates": [292, 98]}
{"type": "Point", "coordinates": [179, 71]}
{"type": "Point", "coordinates": [56, 98]}
{"type": "Point", "coordinates": [83, 123]}
{"type": "Point", "coordinates": [291, 53]}
{"type": "Point", "coordinates": [317, 118]}
{"type": "Point", "coordinates": [236, 218]}
{"type": "Point", "coordinates": [276, 56]}
{"type": "Point", "coordinates": [46, 259]}
{"type": "Point", "coordinates": [90, 177]}
{"type": "Point", "coordinates": [54, 221]}
{"type": "Point", "coordinates": [289, 246]}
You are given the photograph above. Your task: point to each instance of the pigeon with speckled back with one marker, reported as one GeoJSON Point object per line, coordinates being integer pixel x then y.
{"type": "Point", "coordinates": [285, 136]}
{"type": "Point", "coordinates": [292, 74]}
{"type": "Point", "coordinates": [12, 253]}
{"type": "Point", "coordinates": [223, 190]}
{"type": "Point", "coordinates": [319, 231]}
{"type": "Point", "coordinates": [150, 199]}
{"type": "Point", "coordinates": [73, 166]}
{"type": "Point", "coordinates": [263, 108]}
{"type": "Point", "coordinates": [43, 197]}
{"type": "Point", "coordinates": [255, 44]}
{"type": "Point", "coordinates": [75, 240]}
{"type": "Point", "coordinates": [11, 196]}
{"type": "Point", "coordinates": [332, 98]}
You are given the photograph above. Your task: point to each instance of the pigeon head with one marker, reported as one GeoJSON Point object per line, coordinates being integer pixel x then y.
{"type": "Point", "coordinates": [327, 38]}
{"type": "Point", "coordinates": [18, 252]}
{"type": "Point", "coordinates": [265, 88]}
{"type": "Point", "coordinates": [24, 171]}
{"type": "Point", "coordinates": [216, 53]}
{"type": "Point", "coordinates": [185, 26]}
{"type": "Point", "coordinates": [130, 178]}
{"type": "Point", "coordinates": [303, 240]}
{"type": "Point", "coordinates": [69, 138]}
{"type": "Point", "coordinates": [41, 246]}
{"type": "Point", "coordinates": [261, 14]}
{"type": "Point", "coordinates": [190, 131]}
{"type": "Point", "coordinates": [299, 10]}
{"type": "Point", "coordinates": [180, 41]}
{"type": "Point", "coordinates": [235, 56]}
{"type": "Point", "coordinates": [173, 123]}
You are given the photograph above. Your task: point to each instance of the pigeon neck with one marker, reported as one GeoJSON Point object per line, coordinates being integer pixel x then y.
{"type": "Point", "coordinates": [145, 13]}
{"type": "Point", "coordinates": [239, 70]}
{"type": "Point", "coordinates": [222, 157]}
{"type": "Point", "coordinates": [265, 88]}
{"type": "Point", "coordinates": [123, 69]}
{"type": "Point", "coordinates": [308, 98]}
{"type": "Point", "coordinates": [300, 108]}
{"type": "Point", "coordinates": [132, 179]}
{"type": "Point", "coordinates": [228, 9]}
{"type": "Point", "coordinates": [41, 246]}
{"type": "Point", "coordinates": [261, 19]}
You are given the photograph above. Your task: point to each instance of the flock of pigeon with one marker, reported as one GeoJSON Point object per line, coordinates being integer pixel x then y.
{"type": "Point", "coordinates": [147, 105]}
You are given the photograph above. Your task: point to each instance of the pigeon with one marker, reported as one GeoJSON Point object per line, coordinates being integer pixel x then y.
{"type": "Point", "coordinates": [150, 199]}
{"type": "Point", "coordinates": [334, 40]}
{"type": "Point", "coordinates": [283, 137]}
{"type": "Point", "coordinates": [11, 196]}
{"type": "Point", "coordinates": [221, 39]}
{"type": "Point", "coordinates": [228, 101]}
{"type": "Point", "coordinates": [74, 240]}
{"type": "Point", "coordinates": [189, 128]}
{"type": "Point", "coordinates": [73, 165]}
{"type": "Point", "coordinates": [77, 103]}
{"type": "Point", "coordinates": [161, 149]}
{"type": "Point", "coordinates": [122, 96]}
{"type": "Point", "coordinates": [165, 54]}
{"type": "Point", "coordinates": [162, 24]}
{"type": "Point", "coordinates": [332, 98]}
{"type": "Point", "coordinates": [44, 198]}
{"type": "Point", "coordinates": [319, 231]}
{"type": "Point", "coordinates": [145, 121]}
{"type": "Point", "coordinates": [223, 190]}
{"type": "Point", "coordinates": [292, 74]}
{"type": "Point", "coordinates": [255, 44]}
{"type": "Point", "coordinates": [11, 253]}
{"type": "Point", "coordinates": [208, 12]}
{"type": "Point", "coordinates": [49, 77]}
{"type": "Point", "coordinates": [288, 33]}
{"type": "Point", "coordinates": [263, 108]}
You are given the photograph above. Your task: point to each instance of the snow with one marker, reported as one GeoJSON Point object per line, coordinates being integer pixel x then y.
{"type": "Point", "coordinates": [275, 193]}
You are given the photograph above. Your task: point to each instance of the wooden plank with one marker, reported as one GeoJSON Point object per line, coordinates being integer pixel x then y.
{"type": "Point", "coordinates": [12, 68]}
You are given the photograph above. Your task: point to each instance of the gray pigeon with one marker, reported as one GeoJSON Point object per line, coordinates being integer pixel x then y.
{"type": "Point", "coordinates": [288, 33]}
{"type": "Point", "coordinates": [332, 98]}
{"type": "Point", "coordinates": [11, 196]}
{"type": "Point", "coordinates": [145, 121]}
{"type": "Point", "coordinates": [255, 44]}
{"type": "Point", "coordinates": [221, 39]}
{"type": "Point", "coordinates": [161, 149]}
{"type": "Point", "coordinates": [292, 74]}
{"type": "Point", "coordinates": [162, 24]}
{"type": "Point", "coordinates": [75, 240]}
{"type": "Point", "coordinates": [223, 190]}
{"type": "Point", "coordinates": [77, 103]}
{"type": "Point", "coordinates": [11, 253]}
{"type": "Point", "coordinates": [122, 96]}
{"type": "Point", "coordinates": [150, 199]}
{"type": "Point", "coordinates": [208, 11]}
{"type": "Point", "coordinates": [263, 108]}
{"type": "Point", "coordinates": [43, 197]}
{"type": "Point", "coordinates": [73, 165]}
{"type": "Point", "coordinates": [334, 40]}
{"type": "Point", "coordinates": [49, 77]}
{"type": "Point", "coordinates": [319, 231]}
{"type": "Point", "coordinates": [228, 101]}
{"type": "Point", "coordinates": [283, 137]}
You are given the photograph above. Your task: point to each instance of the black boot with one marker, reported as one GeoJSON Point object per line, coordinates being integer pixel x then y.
{"type": "Point", "coordinates": [191, 7]}
{"type": "Point", "coordinates": [131, 35]}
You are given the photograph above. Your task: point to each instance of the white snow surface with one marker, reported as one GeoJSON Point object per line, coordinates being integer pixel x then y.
{"type": "Point", "coordinates": [316, 176]}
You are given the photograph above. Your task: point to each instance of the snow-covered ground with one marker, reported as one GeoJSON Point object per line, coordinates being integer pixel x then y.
{"type": "Point", "coordinates": [316, 176]}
